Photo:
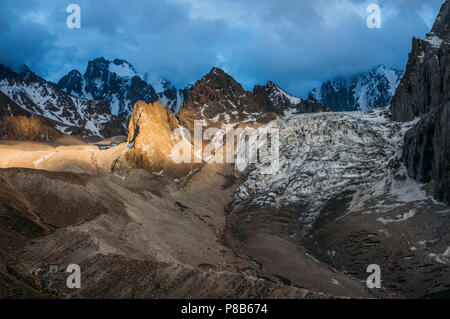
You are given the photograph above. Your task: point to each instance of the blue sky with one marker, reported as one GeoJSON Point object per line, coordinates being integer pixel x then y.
{"type": "Point", "coordinates": [294, 43]}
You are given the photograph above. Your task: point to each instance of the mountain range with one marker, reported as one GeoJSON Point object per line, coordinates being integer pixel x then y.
{"type": "Point", "coordinates": [364, 91]}
{"type": "Point", "coordinates": [118, 83]}
{"type": "Point", "coordinates": [32, 94]}
{"type": "Point", "coordinates": [92, 104]}
{"type": "Point", "coordinates": [351, 189]}
{"type": "Point", "coordinates": [113, 87]}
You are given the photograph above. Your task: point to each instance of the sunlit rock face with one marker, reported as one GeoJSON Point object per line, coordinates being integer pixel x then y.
{"type": "Point", "coordinates": [425, 92]}
{"type": "Point", "coordinates": [150, 143]}
{"type": "Point", "coordinates": [34, 128]}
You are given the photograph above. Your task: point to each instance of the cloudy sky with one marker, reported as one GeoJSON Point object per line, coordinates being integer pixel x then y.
{"type": "Point", "coordinates": [295, 43]}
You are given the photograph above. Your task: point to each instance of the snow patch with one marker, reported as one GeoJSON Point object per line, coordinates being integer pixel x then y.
{"type": "Point", "coordinates": [124, 70]}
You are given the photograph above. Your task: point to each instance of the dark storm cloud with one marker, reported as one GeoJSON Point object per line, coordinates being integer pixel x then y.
{"type": "Point", "coordinates": [295, 43]}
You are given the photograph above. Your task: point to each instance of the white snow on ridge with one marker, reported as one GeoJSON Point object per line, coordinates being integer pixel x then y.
{"type": "Point", "coordinates": [279, 94]}
{"type": "Point", "coordinates": [123, 70]}
{"type": "Point", "coordinates": [434, 40]}
{"type": "Point", "coordinates": [156, 82]}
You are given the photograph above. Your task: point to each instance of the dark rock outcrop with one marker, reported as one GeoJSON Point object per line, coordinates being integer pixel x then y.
{"type": "Point", "coordinates": [425, 92]}
{"type": "Point", "coordinates": [274, 99]}
{"type": "Point", "coordinates": [426, 151]}
{"type": "Point", "coordinates": [219, 98]}
{"type": "Point", "coordinates": [219, 92]}
{"type": "Point", "coordinates": [426, 83]}
{"type": "Point", "coordinates": [186, 91]}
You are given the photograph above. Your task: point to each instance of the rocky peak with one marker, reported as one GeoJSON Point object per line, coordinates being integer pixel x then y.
{"type": "Point", "coordinates": [96, 68]}
{"type": "Point", "coordinates": [72, 83]}
{"type": "Point", "coordinates": [426, 81]}
{"type": "Point", "coordinates": [272, 98]}
{"type": "Point", "coordinates": [219, 98]}
{"type": "Point", "coordinates": [440, 27]}
{"type": "Point", "coordinates": [118, 83]}
{"type": "Point", "coordinates": [150, 142]}
{"type": "Point", "coordinates": [216, 86]}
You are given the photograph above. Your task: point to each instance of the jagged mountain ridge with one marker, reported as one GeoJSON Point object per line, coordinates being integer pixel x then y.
{"type": "Point", "coordinates": [359, 92]}
{"type": "Point", "coordinates": [69, 114]}
{"type": "Point", "coordinates": [219, 98]}
{"type": "Point", "coordinates": [118, 83]}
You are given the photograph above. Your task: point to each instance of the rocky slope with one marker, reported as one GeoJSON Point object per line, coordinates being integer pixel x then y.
{"type": "Point", "coordinates": [425, 92]}
{"type": "Point", "coordinates": [69, 114]}
{"type": "Point", "coordinates": [9, 108]}
{"type": "Point", "coordinates": [339, 201]}
{"type": "Point", "coordinates": [118, 83]}
{"type": "Point", "coordinates": [359, 92]}
{"type": "Point", "coordinates": [141, 236]}
{"type": "Point", "coordinates": [33, 128]}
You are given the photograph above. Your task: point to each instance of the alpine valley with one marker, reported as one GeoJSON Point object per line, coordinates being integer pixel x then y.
{"type": "Point", "coordinates": [87, 177]}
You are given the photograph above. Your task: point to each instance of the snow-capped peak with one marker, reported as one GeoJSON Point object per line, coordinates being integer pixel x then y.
{"type": "Point", "coordinates": [118, 83]}
{"type": "Point", "coordinates": [276, 92]}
